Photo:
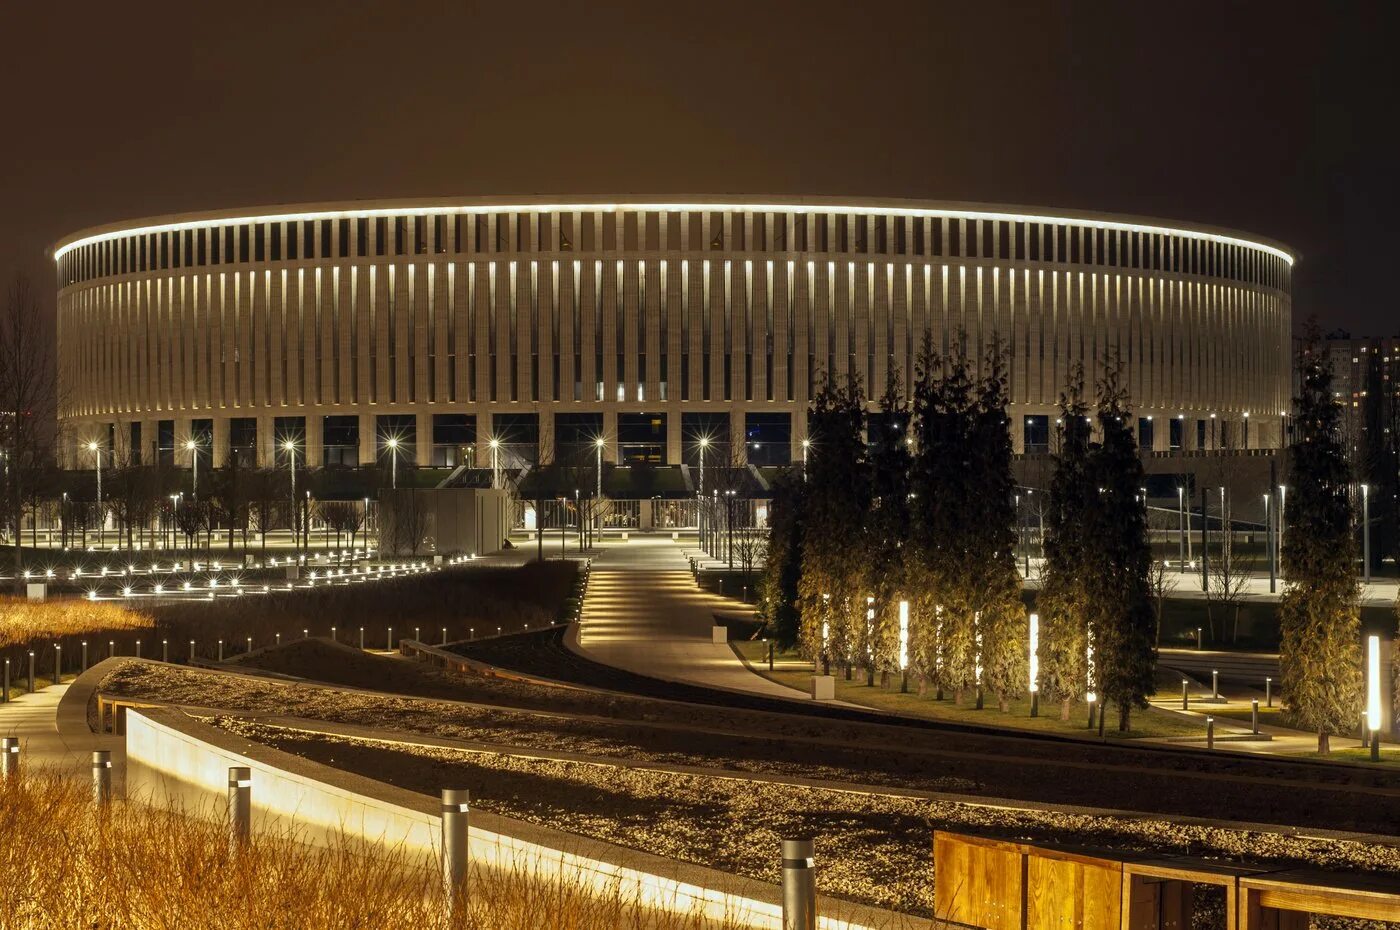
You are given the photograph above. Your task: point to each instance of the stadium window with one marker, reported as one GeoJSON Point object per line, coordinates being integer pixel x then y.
{"type": "Point", "coordinates": [242, 244]}
{"type": "Point", "coordinates": [400, 235]}
{"type": "Point", "coordinates": [259, 243]}
{"type": "Point", "coordinates": [325, 239]}
{"type": "Point", "coordinates": [276, 244]}
{"type": "Point", "coordinates": [420, 235]}
{"type": "Point", "coordinates": [308, 239]}
{"type": "Point", "coordinates": [381, 234]}
{"type": "Point", "coordinates": [343, 234]}
{"type": "Point", "coordinates": [1004, 246]}
{"type": "Point", "coordinates": [362, 236]}
{"type": "Point", "coordinates": [439, 240]}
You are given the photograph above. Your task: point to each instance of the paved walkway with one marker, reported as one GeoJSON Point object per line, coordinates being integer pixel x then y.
{"type": "Point", "coordinates": [644, 613]}
{"type": "Point", "coordinates": [34, 719]}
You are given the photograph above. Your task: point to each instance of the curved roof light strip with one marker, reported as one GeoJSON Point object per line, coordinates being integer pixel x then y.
{"type": "Point", "coordinates": [673, 207]}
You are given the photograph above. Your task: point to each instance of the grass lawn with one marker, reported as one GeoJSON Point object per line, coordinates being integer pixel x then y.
{"type": "Point", "coordinates": [1144, 723]}
{"type": "Point", "coordinates": [1347, 749]}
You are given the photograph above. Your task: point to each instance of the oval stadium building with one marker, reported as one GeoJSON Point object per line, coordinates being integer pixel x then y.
{"type": "Point", "coordinates": [547, 323]}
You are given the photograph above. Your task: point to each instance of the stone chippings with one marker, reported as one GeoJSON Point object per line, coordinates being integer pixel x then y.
{"type": "Point", "coordinates": [874, 849]}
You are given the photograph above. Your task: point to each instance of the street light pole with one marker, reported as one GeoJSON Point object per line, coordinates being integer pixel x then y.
{"type": "Point", "coordinates": [393, 443]}
{"type": "Point", "coordinates": [1269, 540]}
{"type": "Point", "coordinates": [291, 448]}
{"type": "Point", "coordinates": [1366, 532]}
{"type": "Point", "coordinates": [495, 463]}
{"type": "Point", "coordinates": [193, 448]}
{"type": "Point", "coordinates": [101, 523]}
{"type": "Point", "coordinates": [1181, 525]}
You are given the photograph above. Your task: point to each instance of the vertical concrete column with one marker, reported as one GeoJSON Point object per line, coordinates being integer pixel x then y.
{"type": "Point", "coordinates": [315, 440]}
{"type": "Point", "coordinates": [240, 806]}
{"type": "Point", "coordinates": [219, 454]}
{"type": "Point", "coordinates": [738, 439]}
{"type": "Point", "coordinates": [456, 804]}
{"type": "Point", "coordinates": [267, 441]}
{"type": "Point", "coordinates": [799, 885]}
{"type": "Point", "coordinates": [366, 439]}
{"type": "Point", "coordinates": [547, 443]}
{"type": "Point", "coordinates": [424, 435]}
{"type": "Point", "coordinates": [101, 776]}
{"type": "Point", "coordinates": [610, 434]}
{"type": "Point", "coordinates": [182, 432]}
{"type": "Point", "coordinates": [675, 450]}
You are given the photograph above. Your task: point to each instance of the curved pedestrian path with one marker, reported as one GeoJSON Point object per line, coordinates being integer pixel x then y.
{"type": "Point", "coordinates": [644, 613]}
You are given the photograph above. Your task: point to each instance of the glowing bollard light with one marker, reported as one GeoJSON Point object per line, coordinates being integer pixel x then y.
{"type": "Point", "coordinates": [101, 777]}
{"type": "Point", "coordinates": [1034, 664]}
{"type": "Point", "coordinates": [191, 652]}
{"type": "Point", "coordinates": [1268, 692]}
{"type": "Point", "coordinates": [903, 647]}
{"type": "Point", "coordinates": [165, 650]}
{"type": "Point", "coordinates": [250, 644]}
{"type": "Point", "coordinates": [799, 885]}
{"type": "Point", "coordinates": [9, 757]}
{"type": "Point", "coordinates": [1185, 696]}
{"type": "Point", "coordinates": [444, 636]}
{"type": "Point", "coordinates": [456, 808]}
{"type": "Point", "coordinates": [362, 639]}
{"type": "Point", "coordinates": [240, 807]}
{"type": "Point", "coordinates": [1210, 732]}
{"type": "Point", "coordinates": [1373, 694]}
{"type": "Point", "coordinates": [1254, 716]}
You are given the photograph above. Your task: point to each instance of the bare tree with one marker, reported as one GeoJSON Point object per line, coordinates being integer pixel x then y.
{"type": "Point", "coordinates": [1162, 582]}
{"type": "Point", "coordinates": [28, 397]}
{"type": "Point", "coordinates": [1225, 591]}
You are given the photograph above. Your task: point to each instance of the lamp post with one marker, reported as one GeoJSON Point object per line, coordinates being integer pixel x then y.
{"type": "Point", "coordinates": [806, 444]}
{"type": "Point", "coordinates": [578, 512]}
{"type": "Point", "coordinates": [393, 443]}
{"type": "Point", "coordinates": [291, 447]}
{"type": "Point", "coordinates": [1373, 694]}
{"type": "Point", "coordinates": [495, 445]}
{"type": "Point", "coordinates": [704, 444]}
{"type": "Point", "coordinates": [1034, 664]}
{"type": "Point", "coordinates": [1181, 525]}
{"type": "Point", "coordinates": [729, 524]}
{"type": "Point", "coordinates": [1366, 533]}
{"type": "Point", "coordinates": [96, 450]}
{"type": "Point", "coordinates": [193, 448]}
{"type": "Point", "coordinates": [904, 647]}
{"type": "Point", "coordinates": [1269, 543]}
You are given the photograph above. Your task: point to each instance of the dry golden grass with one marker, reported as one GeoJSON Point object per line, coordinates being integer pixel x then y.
{"type": "Point", "coordinates": [68, 865]}
{"type": "Point", "coordinates": [24, 623]}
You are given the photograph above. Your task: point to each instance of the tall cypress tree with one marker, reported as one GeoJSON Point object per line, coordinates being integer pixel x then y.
{"type": "Point", "coordinates": [1124, 622]}
{"type": "Point", "coordinates": [782, 566]}
{"type": "Point", "coordinates": [832, 587]}
{"type": "Point", "coordinates": [1063, 602]}
{"type": "Point", "coordinates": [1319, 616]}
{"type": "Point", "coordinates": [889, 523]}
{"type": "Point", "coordinates": [994, 585]}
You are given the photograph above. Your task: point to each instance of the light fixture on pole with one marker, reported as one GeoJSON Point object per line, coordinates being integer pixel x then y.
{"type": "Point", "coordinates": [904, 646]}
{"type": "Point", "coordinates": [1373, 694]}
{"type": "Point", "coordinates": [393, 444]}
{"type": "Point", "coordinates": [495, 445]}
{"type": "Point", "coordinates": [1034, 665]}
{"type": "Point", "coordinates": [1366, 532]}
{"type": "Point", "coordinates": [599, 443]}
{"type": "Point", "coordinates": [806, 444]}
{"type": "Point", "coordinates": [193, 448]}
{"type": "Point", "coordinates": [96, 450]}
{"type": "Point", "coordinates": [290, 447]}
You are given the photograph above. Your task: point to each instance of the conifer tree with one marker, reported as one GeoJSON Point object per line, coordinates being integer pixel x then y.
{"type": "Point", "coordinates": [832, 587]}
{"type": "Point", "coordinates": [782, 566]}
{"type": "Point", "coordinates": [1124, 622]}
{"type": "Point", "coordinates": [1064, 593]}
{"type": "Point", "coordinates": [993, 584]}
{"type": "Point", "coordinates": [1319, 616]}
{"type": "Point", "coordinates": [889, 524]}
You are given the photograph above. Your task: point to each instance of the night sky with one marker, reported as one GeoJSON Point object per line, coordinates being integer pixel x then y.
{"type": "Point", "coordinates": [1259, 116]}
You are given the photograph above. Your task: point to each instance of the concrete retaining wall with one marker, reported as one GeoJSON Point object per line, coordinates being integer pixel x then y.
{"type": "Point", "coordinates": [175, 760]}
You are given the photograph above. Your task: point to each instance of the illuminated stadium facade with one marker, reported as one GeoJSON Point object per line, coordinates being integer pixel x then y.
{"type": "Point", "coordinates": [441, 324]}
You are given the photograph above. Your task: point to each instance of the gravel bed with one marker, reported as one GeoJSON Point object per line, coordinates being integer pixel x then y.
{"type": "Point", "coordinates": [874, 849]}
{"type": "Point", "coordinates": [1220, 786]}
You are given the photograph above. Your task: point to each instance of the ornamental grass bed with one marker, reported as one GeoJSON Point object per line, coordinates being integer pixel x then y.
{"type": "Point", "coordinates": [69, 865]}
{"type": "Point", "coordinates": [874, 848]}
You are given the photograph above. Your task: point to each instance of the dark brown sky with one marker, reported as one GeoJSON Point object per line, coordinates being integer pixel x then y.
{"type": "Point", "coordinates": [1258, 116]}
